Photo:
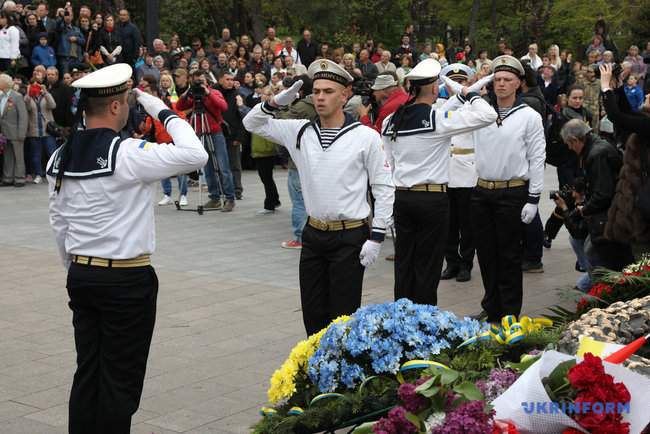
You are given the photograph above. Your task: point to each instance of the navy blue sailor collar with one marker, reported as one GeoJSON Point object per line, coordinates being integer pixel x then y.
{"type": "Point", "coordinates": [93, 154]}
{"type": "Point", "coordinates": [417, 118]}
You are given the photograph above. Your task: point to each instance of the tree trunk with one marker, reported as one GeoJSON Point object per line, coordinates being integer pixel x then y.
{"type": "Point", "coordinates": [493, 19]}
{"type": "Point", "coordinates": [255, 9]}
{"type": "Point", "coordinates": [476, 4]}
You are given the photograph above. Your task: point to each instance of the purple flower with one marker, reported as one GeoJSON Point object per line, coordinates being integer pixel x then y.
{"type": "Point", "coordinates": [468, 418]}
{"type": "Point", "coordinates": [395, 423]}
{"type": "Point", "coordinates": [497, 382]}
{"type": "Point", "coordinates": [411, 400]}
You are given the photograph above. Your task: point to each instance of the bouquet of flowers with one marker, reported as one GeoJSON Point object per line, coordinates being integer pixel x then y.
{"type": "Point", "coordinates": [632, 282]}
{"type": "Point", "coordinates": [379, 338]}
{"type": "Point", "coordinates": [559, 395]}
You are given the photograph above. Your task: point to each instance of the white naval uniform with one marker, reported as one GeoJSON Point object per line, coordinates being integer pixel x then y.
{"type": "Point", "coordinates": [421, 155]}
{"type": "Point", "coordinates": [513, 148]}
{"type": "Point", "coordinates": [519, 154]}
{"type": "Point", "coordinates": [334, 181]}
{"type": "Point", "coordinates": [112, 216]}
{"type": "Point", "coordinates": [462, 168]}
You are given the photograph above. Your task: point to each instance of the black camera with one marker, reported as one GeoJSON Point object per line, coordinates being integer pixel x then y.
{"type": "Point", "coordinates": [363, 88]}
{"type": "Point", "coordinates": [566, 192]}
{"type": "Point", "coordinates": [197, 91]}
{"type": "Point", "coordinates": [616, 70]}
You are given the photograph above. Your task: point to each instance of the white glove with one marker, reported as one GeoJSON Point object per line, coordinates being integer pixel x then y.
{"type": "Point", "coordinates": [288, 96]}
{"type": "Point", "coordinates": [476, 87]}
{"type": "Point", "coordinates": [117, 51]}
{"type": "Point", "coordinates": [103, 50]}
{"type": "Point", "coordinates": [369, 253]}
{"type": "Point", "coordinates": [528, 213]}
{"type": "Point", "coordinates": [455, 88]}
{"type": "Point", "coordinates": [152, 105]}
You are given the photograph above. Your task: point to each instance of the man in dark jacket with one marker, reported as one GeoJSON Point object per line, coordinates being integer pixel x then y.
{"type": "Point", "coordinates": [600, 163]}
{"type": "Point", "coordinates": [129, 36]}
{"type": "Point", "coordinates": [307, 49]}
{"type": "Point", "coordinates": [62, 94]}
{"type": "Point", "coordinates": [234, 132]}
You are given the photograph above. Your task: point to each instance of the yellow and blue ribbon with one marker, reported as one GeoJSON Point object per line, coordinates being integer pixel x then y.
{"type": "Point", "coordinates": [510, 331]}
{"type": "Point", "coordinates": [417, 364]}
{"type": "Point", "coordinates": [295, 411]}
{"type": "Point", "coordinates": [267, 411]}
{"type": "Point", "coordinates": [325, 396]}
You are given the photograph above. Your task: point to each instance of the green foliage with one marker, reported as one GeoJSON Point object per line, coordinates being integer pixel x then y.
{"type": "Point", "coordinates": [369, 403]}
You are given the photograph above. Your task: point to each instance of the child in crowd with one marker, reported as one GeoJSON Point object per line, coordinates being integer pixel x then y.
{"type": "Point", "coordinates": [633, 92]}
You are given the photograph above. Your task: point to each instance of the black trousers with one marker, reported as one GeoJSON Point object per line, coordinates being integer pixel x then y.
{"type": "Point", "coordinates": [534, 240]}
{"type": "Point", "coordinates": [331, 275]}
{"type": "Point", "coordinates": [114, 311]}
{"type": "Point", "coordinates": [498, 230]}
{"type": "Point", "coordinates": [265, 171]}
{"type": "Point", "coordinates": [421, 226]}
{"type": "Point", "coordinates": [460, 242]}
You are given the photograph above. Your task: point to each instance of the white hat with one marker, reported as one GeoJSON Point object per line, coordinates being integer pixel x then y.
{"type": "Point", "coordinates": [108, 81]}
{"type": "Point", "coordinates": [384, 81]}
{"type": "Point", "coordinates": [425, 72]}
{"type": "Point", "coordinates": [457, 70]}
{"type": "Point", "coordinates": [324, 69]}
{"type": "Point", "coordinates": [508, 63]}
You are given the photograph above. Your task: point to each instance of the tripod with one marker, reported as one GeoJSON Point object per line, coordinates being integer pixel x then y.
{"type": "Point", "coordinates": [199, 122]}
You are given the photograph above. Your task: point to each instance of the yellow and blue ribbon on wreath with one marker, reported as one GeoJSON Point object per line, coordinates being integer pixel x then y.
{"type": "Point", "coordinates": [510, 331]}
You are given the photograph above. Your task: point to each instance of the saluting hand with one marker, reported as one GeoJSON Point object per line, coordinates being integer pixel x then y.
{"type": "Point", "coordinates": [453, 87]}
{"type": "Point", "coordinates": [152, 105]}
{"type": "Point", "coordinates": [288, 96]}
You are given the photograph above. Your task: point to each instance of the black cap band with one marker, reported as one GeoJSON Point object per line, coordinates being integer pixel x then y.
{"type": "Point", "coordinates": [101, 92]}
{"type": "Point", "coordinates": [327, 75]}
{"type": "Point", "coordinates": [508, 69]}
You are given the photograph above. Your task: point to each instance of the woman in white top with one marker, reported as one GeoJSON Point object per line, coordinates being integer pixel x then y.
{"type": "Point", "coordinates": [9, 38]}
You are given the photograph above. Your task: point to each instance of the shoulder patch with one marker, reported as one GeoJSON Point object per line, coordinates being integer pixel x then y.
{"type": "Point", "coordinates": [145, 146]}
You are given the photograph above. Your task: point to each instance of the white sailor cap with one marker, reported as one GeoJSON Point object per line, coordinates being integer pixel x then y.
{"type": "Point", "coordinates": [324, 69]}
{"type": "Point", "coordinates": [425, 72]}
{"type": "Point", "coordinates": [384, 81]}
{"type": "Point", "coordinates": [108, 81]}
{"type": "Point", "coordinates": [508, 63]}
{"type": "Point", "coordinates": [457, 71]}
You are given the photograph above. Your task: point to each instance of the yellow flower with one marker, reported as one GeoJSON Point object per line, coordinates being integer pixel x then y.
{"type": "Point", "coordinates": [283, 381]}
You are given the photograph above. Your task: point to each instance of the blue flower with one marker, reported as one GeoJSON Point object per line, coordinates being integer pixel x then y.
{"type": "Point", "coordinates": [380, 337]}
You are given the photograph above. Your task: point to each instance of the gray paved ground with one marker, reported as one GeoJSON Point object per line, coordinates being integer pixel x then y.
{"type": "Point", "coordinates": [228, 313]}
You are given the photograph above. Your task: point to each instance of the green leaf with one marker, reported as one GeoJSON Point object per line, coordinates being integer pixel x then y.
{"type": "Point", "coordinates": [415, 420]}
{"type": "Point", "coordinates": [558, 377]}
{"type": "Point", "coordinates": [448, 376]}
{"type": "Point", "coordinates": [364, 428]}
{"type": "Point", "coordinates": [521, 367]}
{"type": "Point", "coordinates": [431, 391]}
{"type": "Point", "coordinates": [425, 385]}
{"type": "Point", "coordinates": [469, 391]}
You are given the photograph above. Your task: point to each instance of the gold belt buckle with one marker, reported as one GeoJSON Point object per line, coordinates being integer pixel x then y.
{"type": "Point", "coordinates": [320, 224]}
{"type": "Point", "coordinates": [492, 185]}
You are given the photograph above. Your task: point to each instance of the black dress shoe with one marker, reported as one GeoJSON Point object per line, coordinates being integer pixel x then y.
{"type": "Point", "coordinates": [449, 273]}
{"type": "Point", "coordinates": [464, 275]}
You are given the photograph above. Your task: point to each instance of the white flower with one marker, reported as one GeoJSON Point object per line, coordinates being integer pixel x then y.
{"type": "Point", "coordinates": [434, 421]}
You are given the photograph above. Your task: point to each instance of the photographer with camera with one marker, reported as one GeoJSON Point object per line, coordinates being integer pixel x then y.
{"type": "Point", "coordinates": [388, 95]}
{"type": "Point", "coordinates": [208, 104]}
{"type": "Point", "coordinates": [566, 200]}
{"type": "Point", "coordinates": [600, 163]}
{"type": "Point", "coordinates": [629, 215]}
